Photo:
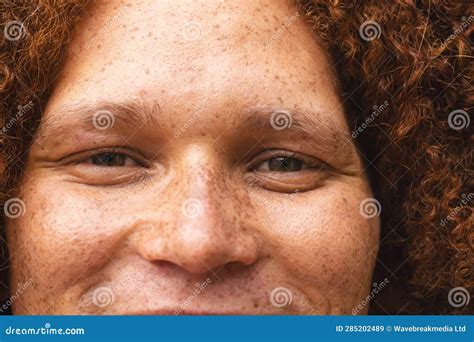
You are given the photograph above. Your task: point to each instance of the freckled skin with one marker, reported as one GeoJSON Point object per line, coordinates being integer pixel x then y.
{"type": "Point", "coordinates": [135, 238]}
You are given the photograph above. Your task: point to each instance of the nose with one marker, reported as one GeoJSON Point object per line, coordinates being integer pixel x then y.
{"type": "Point", "coordinates": [206, 240]}
{"type": "Point", "coordinates": [201, 240]}
{"type": "Point", "coordinates": [202, 232]}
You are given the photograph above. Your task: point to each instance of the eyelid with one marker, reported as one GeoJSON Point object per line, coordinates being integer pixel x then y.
{"type": "Point", "coordinates": [276, 153]}
{"type": "Point", "coordinates": [83, 156]}
{"type": "Point", "coordinates": [128, 161]}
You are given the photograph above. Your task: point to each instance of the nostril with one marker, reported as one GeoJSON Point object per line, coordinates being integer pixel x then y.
{"type": "Point", "coordinates": [165, 265]}
{"type": "Point", "coordinates": [236, 266]}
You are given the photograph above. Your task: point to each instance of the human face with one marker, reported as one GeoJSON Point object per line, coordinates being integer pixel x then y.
{"type": "Point", "coordinates": [164, 178]}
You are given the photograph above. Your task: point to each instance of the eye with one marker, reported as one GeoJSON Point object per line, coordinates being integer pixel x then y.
{"type": "Point", "coordinates": [111, 159]}
{"type": "Point", "coordinates": [282, 164]}
{"type": "Point", "coordinates": [286, 171]}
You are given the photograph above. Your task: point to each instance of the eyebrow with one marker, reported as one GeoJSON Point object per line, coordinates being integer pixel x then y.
{"type": "Point", "coordinates": [134, 114]}
{"type": "Point", "coordinates": [310, 124]}
{"type": "Point", "coordinates": [137, 113]}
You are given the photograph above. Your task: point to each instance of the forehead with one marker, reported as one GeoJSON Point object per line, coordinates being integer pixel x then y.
{"type": "Point", "coordinates": [183, 53]}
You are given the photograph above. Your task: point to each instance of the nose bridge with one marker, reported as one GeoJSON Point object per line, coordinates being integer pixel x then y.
{"type": "Point", "coordinates": [207, 224]}
{"type": "Point", "coordinates": [203, 229]}
{"type": "Point", "coordinates": [203, 188]}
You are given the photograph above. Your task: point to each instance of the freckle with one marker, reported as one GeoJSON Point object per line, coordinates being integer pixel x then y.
{"type": "Point", "coordinates": [123, 26]}
{"type": "Point", "coordinates": [102, 69]}
{"type": "Point", "coordinates": [99, 46]}
{"type": "Point", "coordinates": [136, 28]}
{"type": "Point", "coordinates": [147, 71]}
{"type": "Point", "coordinates": [149, 34]}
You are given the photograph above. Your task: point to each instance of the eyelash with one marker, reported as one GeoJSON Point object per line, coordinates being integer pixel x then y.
{"type": "Point", "coordinates": [268, 155]}
{"type": "Point", "coordinates": [139, 161]}
{"type": "Point", "coordinates": [306, 163]}
{"type": "Point", "coordinates": [281, 177]}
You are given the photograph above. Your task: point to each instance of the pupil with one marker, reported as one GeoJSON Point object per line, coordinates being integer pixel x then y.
{"type": "Point", "coordinates": [109, 159]}
{"type": "Point", "coordinates": [284, 164]}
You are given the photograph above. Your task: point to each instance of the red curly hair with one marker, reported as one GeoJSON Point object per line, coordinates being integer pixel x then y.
{"type": "Point", "coordinates": [410, 58]}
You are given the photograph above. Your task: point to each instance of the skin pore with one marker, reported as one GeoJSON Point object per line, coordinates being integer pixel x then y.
{"type": "Point", "coordinates": [162, 164]}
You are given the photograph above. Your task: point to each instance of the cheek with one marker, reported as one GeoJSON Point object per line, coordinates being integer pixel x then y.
{"type": "Point", "coordinates": [59, 239]}
{"type": "Point", "coordinates": [324, 244]}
